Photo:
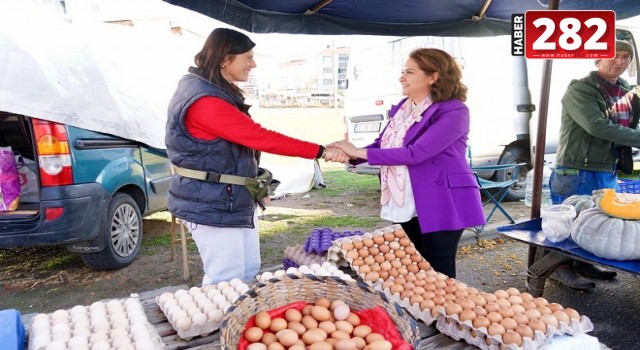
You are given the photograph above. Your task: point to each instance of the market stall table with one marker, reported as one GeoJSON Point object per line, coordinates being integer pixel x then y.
{"type": "Point", "coordinates": [543, 264]}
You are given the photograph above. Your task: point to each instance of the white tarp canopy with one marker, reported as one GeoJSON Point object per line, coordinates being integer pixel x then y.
{"type": "Point", "coordinates": [108, 78]}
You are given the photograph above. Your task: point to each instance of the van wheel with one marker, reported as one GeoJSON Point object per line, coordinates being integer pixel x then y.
{"type": "Point", "coordinates": [122, 230]}
{"type": "Point", "coordinates": [514, 155]}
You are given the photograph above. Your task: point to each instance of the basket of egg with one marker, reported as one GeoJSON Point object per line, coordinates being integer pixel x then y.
{"type": "Point", "coordinates": [313, 312]}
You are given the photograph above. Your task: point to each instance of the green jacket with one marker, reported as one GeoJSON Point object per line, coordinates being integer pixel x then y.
{"type": "Point", "coordinates": [587, 135]}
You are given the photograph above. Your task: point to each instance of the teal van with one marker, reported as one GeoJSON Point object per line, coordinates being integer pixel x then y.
{"type": "Point", "coordinates": [86, 190]}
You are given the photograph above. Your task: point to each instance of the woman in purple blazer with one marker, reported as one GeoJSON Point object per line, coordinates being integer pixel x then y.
{"type": "Point", "coordinates": [426, 183]}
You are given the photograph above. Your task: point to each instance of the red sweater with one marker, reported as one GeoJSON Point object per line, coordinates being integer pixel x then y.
{"type": "Point", "coordinates": [211, 117]}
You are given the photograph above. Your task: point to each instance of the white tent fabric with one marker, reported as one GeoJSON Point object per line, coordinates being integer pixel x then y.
{"type": "Point", "coordinates": [102, 77]}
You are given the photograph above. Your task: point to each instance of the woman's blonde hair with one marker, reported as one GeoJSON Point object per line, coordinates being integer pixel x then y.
{"type": "Point", "coordinates": [449, 83]}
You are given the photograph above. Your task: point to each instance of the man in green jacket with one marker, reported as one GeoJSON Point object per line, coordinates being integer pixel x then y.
{"type": "Point", "coordinates": [599, 115]}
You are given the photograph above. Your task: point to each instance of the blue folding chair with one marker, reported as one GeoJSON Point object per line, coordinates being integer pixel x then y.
{"type": "Point", "coordinates": [495, 191]}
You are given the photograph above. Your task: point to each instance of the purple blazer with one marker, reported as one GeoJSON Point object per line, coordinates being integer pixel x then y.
{"type": "Point", "coordinates": [446, 192]}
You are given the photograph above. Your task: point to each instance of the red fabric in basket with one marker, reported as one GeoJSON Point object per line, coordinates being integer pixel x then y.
{"type": "Point", "coordinates": [376, 318]}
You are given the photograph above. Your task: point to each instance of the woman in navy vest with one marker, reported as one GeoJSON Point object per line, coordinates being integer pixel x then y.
{"type": "Point", "coordinates": [209, 129]}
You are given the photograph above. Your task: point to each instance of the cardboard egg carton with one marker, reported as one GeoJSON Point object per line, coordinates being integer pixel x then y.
{"type": "Point", "coordinates": [324, 269]}
{"type": "Point", "coordinates": [111, 324]}
{"type": "Point", "coordinates": [299, 255]}
{"type": "Point", "coordinates": [453, 327]}
{"type": "Point", "coordinates": [198, 311]}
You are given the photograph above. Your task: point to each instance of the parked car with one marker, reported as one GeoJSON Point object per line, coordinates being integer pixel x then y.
{"type": "Point", "coordinates": [91, 190]}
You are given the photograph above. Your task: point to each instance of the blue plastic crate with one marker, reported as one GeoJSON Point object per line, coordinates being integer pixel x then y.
{"type": "Point", "coordinates": [629, 186]}
{"type": "Point", "coordinates": [11, 330]}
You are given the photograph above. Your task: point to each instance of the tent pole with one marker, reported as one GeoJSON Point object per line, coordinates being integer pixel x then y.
{"type": "Point", "coordinates": [541, 139]}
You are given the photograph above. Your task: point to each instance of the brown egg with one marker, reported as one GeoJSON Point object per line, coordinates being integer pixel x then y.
{"type": "Point", "coordinates": [357, 262]}
{"type": "Point", "coordinates": [371, 276]}
{"type": "Point", "coordinates": [512, 291]}
{"type": "Point", "coordinates": [515, 300]}
{"type": "Point", "coordinates": [416, 258]}
{"type": "Point", "coordinates": [253, 334]}
{"type": "Point", "coordinates": [562, 316]}
{"type": "Point", "coordinates": [501, 294]}
{"type": "Point", "coordinates": [555, 307]}
{"type": "Point", "coordinates": [352, 254]}
{"type": "Point", "coordinates": [481, 321]}
{"type": "Point", "coordinates": [391, 257]}
{"type": "Point", "coordinates": [368, 259]}
{"type": "Point", "coordinates": [525, 331]}
{"type": "Point", "coordinates": [518, 309]}
{"type": "Point", "coordinates": [472, 291]}
{"type": "Point", "coordinates": [503, 303]}
{"type": "Point", "coordinates": [544, 310]}
{"type": "Point", "coordinates": [275, 346]}
{"type": "Point", "coordinates": [396, 289]}
{"type": "Point", "coordinates": [573, 314]}
{"type": "Point", "coordinates": [320, 312]}
{"type": "Point", "coordinates": [467, 304]}
{"type": "Point", "coordinates": [550, 320]}
{"type": "Point", "coordinates": [385, 265]}
{"type": "Point", "coordinates": [401, 254]}
{"type": "Point", "coordinates": [411, 250]}
{"type": "Point", "coordinates": [384, 249]}
{"type": "Point", "coordinates": [363, 253]}
{"type": "Point", "coordinates": [532, 314]}
{"type": "Point", "coordinates": [326, 302]}
{"type": "Point", "coordinates": [526, 296]}
{"type": "Point", "coordinates": [361, 331]}
{"type": "Point", "coordinates": [439, 300]}
{"type": "Point", "coordinates": [489, 297]}
{"type": "Point", "coordinates": [399, 233]}
{"type": "Point", "coordinates": [492, 307]}
{"type": "Point", "coordinates": [427, 304]}
{"type": "Point", "coordinates": [367, 242]}
{"type": "Point", "coordinates": [268, 338]}
{"type": "Point", "coordinates": [529, 305]}
{"type": "Point", "coordinates": [496, 329]}
{"type": "Point", "coordinates": [373, 337]}
{"type": "Point", "coordinates": [521, 319]}
{"type": "Point", "coordinates": [293, 315]}
{"type": "Point", "coordinates": [380, 345]}
{"type": "Point", "coordinates": [467, 315]}
{"type": "Point", "coordinates": [358, 244]}
{"type": "Point", "coordinates": [344, 326]}
{"type": "Point", "coordinates": [374, 251]}
{"type": "Point", "coordinates": [452, 308]}
{"type": "Point", "coordinates": [538, 325]}
{"type": "Point", "coordinates": [345, 344]}
{"type": "Point", "coordinates": [347, 246]}
{"type": "Point", "coordinates": [364, 269]}
{"type": "Point", "coordinates": [339, 334]}
{"type": "Point", "coordinates": [540, 301]}
{"type": "Point", "coordinates": [480, 311]}
{"type": "Point", "coordinates": [509, 324]}
{"type": "Point", "coordinates": [353, 319]}
{"type": "Point", "coordinates": [297, 327]}
{"type": "Point", "coordinates": [287, 337]}
{"type": "Point", "coordinates": [506, 312]}
{"type": "Point", "coordinates": [309, 322]}
{"type": "Point", "coordinates": [327, 326]}
{"type": "Point", "coordinates": [511, 337]}
{"type": "Point", "coordinates": [321, 345]}
{"type": "Point", "coordinates": [306, 310]}
{"type": "Point", "coordinates": [360, 343]}
{"type": "Point", "coordinates": [413, 268]}
{"type": "Point", "coordinates": [378, 239]}
{"type": "Point", "coordinates": [416, 299]}
{"type": "Point", "coordinates": [494, 317]}
{"type": "Point", "coordinates": [263, 319]}
{"type": "Point", "coordinates": [389, 236]}
{"type": "Point", "coordinates": [384, 274]}
{"type": "Point", "coordinates": [314, 335]}
{"type": "Point", "coordinates": [278, 324]}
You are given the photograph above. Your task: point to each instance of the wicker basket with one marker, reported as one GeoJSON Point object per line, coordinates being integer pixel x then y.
{"type": "Point", "coordinates": [286, 290]}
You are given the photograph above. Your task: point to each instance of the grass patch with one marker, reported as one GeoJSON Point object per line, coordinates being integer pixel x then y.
{"type": "Point", "coordinates": [62, 261]}
{"type": "Point", "coordinates": [343, 183]}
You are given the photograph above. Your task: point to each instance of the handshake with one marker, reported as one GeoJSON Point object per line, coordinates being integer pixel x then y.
{"type": "Point", "coordinates": [342, 151]}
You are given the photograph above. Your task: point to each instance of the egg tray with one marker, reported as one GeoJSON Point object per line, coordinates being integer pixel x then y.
{"type": "Point", "coordinates": [325, 270]}
{"type": "Point", "coordinates": [140, 332]}
{"type": "Point", "coordinates": [213, 310]}
{"type": "Point", "coordinates": [320, 240]}
{"type": "Point", "coordinates": [297, 255]}
{"type": "Point", "coordinates": [464, 330]}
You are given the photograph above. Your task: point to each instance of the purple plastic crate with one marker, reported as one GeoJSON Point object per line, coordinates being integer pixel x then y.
{"type": "Point", "coordinates": [287, 263]}
{"type": "Point", "coordinates": [629, 186]}
{"type": "Point", "coordinates": [321, 239]}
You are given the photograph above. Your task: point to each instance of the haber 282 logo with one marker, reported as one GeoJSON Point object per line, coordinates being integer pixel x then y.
{"type": "Point", "coordinates": [564, 34]}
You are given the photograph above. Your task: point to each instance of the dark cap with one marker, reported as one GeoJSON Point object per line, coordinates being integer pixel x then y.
{"type": "Point", "coordinates": [622, 46]}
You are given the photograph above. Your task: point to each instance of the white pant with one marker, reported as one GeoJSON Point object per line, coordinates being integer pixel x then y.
{"type": "Point", "coordinates": [227, 253]}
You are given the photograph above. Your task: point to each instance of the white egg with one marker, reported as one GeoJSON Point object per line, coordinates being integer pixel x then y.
{"type": "Point", "coordinates": [117, 316]}
{"type": "Point", "coordinates": [120, 341]}
{"type": "Point", "coordinates": [199, 319]}
{"type": "Point", "coordinates": [61, 327]}
{"type": "Point", "coordinates": [78, 309]}
{"type": "Point", "coordinates": [56, 345]}
{"type": "Point", "coordinates": [304, 269]}
{"type": "Point", "coordinates": [101, 327]}
{"type": "Point", "coordinates": [137, 328]}
{"type": "Point", "coordinates": [266, 276]}
{"type": "Point", "coordinates": [292, 271]}
{"type": "Point", "coordinates": [222, 284]}
{"type": "Point", "coordinates": [126, 347]}
{"type": "Point", "coordinates": [219, 299]}
{"type": "Point", "coordinates": [78, 340]}
{"type": "Point", "coordinates": [135, 319]}
{"type": "Point", "coordinates": [215, 315]}
{"type": "Point", "coordinates": [114, 303]}
{"type": "Point", "coordinates": [79, 317]}
{"type": "Point", "coordinates": [98, 312]}
{"type": "Point", "coordinates": [207, 288]}
{"type": "Point", "coordinates": [40, 341]}
{"type": "Point", "coordinates": [40, 317]}
{"type": "Point", "coordinates": [144, 344]}
{"type": "Point", "coordinates": [98, 320]}
{"type": "Point", "coordinates": [134, 301]}
{"type": "Point", "coordinates": [233, 296]}
{"type": "Point", "coordinates": [168, 304]}
{"type": "Point", "coordinates": [101, 345]}
{"type": "Point", "coordinates": [118, 332]}
{"type": "Point", "coordinates": [234, 282]}
{"type": "Point", "coordinates": [278, 273]}
{"type": "Point", "coordinates": [59, 314]}
{"type": "Point", "coordinates": [97, 305]}
{"type": "Point", "coordinates": [314, 267]}
{"type": "Point", "coordinates": [82, 331]}
{"type": "Point", "coordinates": [199, 296]}
{"type": "Point", "coordinates": [226, 290]}
{"type": "Point", "coordinates": [192, 311]}
{"type": "Point", "coordinates": [164, 297]}
{"type": "Point", "coordinates": [243, 288]}
{"type": "Point", "coordinates": [202, 303]}
{"type": "Point", "coordinates": [194, 290]}
{"type": "Point", "coordinates": [40, 323]}
{"type": "Point", "coordinates": [213, 292]}
{"type": "Point", "coordinates": [122, 323]}
{"type": "Point", "coordinates": [98, 336]}
{"type": "Point", "coordinates": [183, 299]}
{"type": "Point", "coordinates": [180, 292]}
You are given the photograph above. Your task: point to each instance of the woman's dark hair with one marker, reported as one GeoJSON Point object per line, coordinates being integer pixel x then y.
{"type": "Point", "coordinates": [222, 43]}
{"type": "Point", "coordinates": [449, 84]}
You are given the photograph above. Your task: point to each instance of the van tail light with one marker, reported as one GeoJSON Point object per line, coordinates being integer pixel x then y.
{"type": "Point", "coordinates": [54, 157]}
{"type": "Point", "coordinates": [379, 102]}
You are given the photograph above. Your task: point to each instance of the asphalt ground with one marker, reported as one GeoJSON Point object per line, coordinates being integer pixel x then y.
{"type": "Point", "coordinates": [499, 263]}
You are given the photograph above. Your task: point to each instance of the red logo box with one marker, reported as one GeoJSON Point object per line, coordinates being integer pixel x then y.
{"type": "Point", "coordinates": [570, 34]}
